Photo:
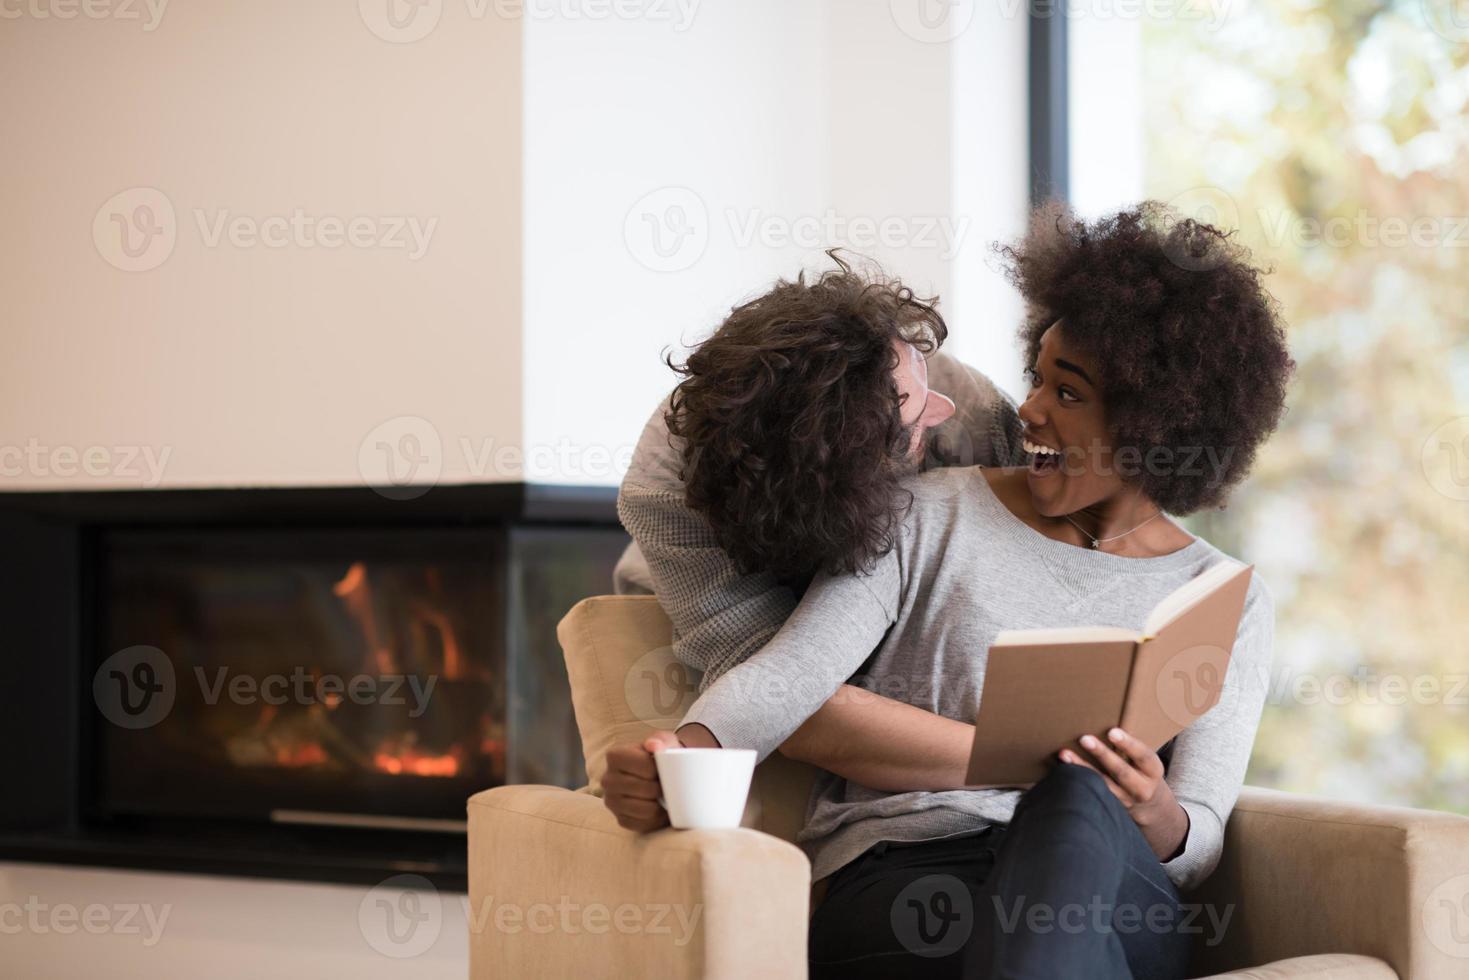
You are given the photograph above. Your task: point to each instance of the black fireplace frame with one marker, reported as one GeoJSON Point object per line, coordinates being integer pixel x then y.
{"type": "Point", "coordinates": [48, 586]}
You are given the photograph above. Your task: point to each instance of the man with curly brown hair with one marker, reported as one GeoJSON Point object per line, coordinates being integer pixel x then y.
{"type": "Point", "coordinates": [781, 454]}
{"type": "Point", "coordinates": [782, 451]}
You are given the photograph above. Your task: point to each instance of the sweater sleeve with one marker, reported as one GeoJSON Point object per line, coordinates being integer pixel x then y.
{"type": "Point", "coordinates": [720, 615]}
{"type": "Point", "coordinates": [840, 620]}
{"type": "Point", "coordinates": [1210, 757]}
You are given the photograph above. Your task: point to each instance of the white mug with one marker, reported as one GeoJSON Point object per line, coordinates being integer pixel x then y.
{"type": "Point", "coordinates": [704, 789]}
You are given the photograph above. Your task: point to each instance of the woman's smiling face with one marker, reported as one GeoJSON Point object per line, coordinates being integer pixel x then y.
{"type": "Point", "coordinates": [1066, 430]}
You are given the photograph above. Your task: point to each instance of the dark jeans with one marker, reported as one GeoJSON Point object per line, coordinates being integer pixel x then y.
{"type": "Point", "coordinates": [1068, 890]}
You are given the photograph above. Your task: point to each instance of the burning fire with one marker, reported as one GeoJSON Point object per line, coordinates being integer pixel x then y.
{"type": "Point", "coordinates": [414, 763]}
{"type": "Point", "coordinates": [355, 591]}
{"type": "Point", "coordinates": [300, 756]}
{"type": "Point", "coordinates": [317, 738]}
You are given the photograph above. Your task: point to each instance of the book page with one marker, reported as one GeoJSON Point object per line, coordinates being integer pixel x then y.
{"type": "Point", "coordinates": [1190, 592]}
{"type": "Point", "coordinates": [1066, 634]}
{"type": "Point", "coordinates": [1038, 699]}
{"type": "Point", "coordinates": [1179, 674]}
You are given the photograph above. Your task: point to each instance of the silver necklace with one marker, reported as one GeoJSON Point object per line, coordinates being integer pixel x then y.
{"type": "Point", "coordinates": [1098, 542]}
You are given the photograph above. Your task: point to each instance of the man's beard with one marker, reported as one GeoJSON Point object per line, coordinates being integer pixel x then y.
{"type": "Point", "coordinates": [939, 450]}
{"type": "Point", "coordinates": [909, 463]}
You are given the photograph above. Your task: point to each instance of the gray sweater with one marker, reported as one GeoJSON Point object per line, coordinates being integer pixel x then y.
{"type": "Point", "coordinates": [964, 569]}
{"type": "Point", "coordinates": [720, 615]}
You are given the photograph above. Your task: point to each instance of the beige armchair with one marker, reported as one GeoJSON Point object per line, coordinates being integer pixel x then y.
{"type": "Point", "coordinates": [1314, 888]}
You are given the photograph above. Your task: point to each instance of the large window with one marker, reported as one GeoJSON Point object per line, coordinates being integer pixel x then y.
{"type": "Point", "coordinates": [1333, 135]}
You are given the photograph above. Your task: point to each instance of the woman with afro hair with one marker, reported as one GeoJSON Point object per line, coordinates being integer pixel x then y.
{"type": "Point", "coordinates": [1158, 366]}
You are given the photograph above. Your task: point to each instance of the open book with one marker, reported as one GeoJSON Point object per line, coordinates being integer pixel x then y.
{"type": "Point", "coordinates": [1044, 689]}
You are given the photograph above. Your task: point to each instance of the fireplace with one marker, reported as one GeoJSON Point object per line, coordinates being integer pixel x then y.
{"type": "Point", "coordinates": [305, 683]}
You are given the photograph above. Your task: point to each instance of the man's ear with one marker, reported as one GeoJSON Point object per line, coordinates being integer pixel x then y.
{"type": "Point", "coordinates": [936, 409]}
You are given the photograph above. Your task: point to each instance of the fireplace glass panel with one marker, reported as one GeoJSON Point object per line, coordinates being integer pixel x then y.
{"type": "Point", "coordinates": [332, 671]}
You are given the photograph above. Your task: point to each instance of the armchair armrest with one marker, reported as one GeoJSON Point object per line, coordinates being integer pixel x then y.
{"type": "Point", "coordinates": [555, 885]}
{"type": "Point", "coordinates": [1303, 875]}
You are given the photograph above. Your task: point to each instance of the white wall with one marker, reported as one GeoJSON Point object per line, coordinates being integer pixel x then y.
{"type": "Point", "coordinates": [768, 130]}
{"type": "Point", "coordinates": [1105, 89]}
{"type": "Point", "coordinates": [246, 363]}
{"type": "Point", "coordinates": [642, 138]}
{"type": "Point", "coordinates": [989, 116]}
{"type": "Point", "coordinates": [929, 116]}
